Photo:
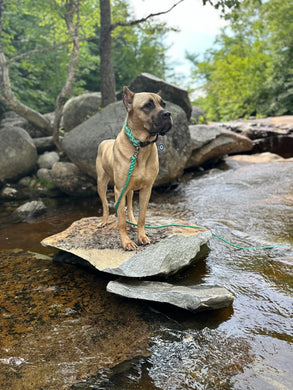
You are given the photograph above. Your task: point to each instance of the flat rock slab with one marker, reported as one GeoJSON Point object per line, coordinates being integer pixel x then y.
{"type": "Point", "coordinates": [193, 298]}
{"type": "Point", "coordinates": [171, 248]}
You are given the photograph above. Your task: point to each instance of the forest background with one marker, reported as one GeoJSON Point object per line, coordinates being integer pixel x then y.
{"type": "Point", "coordinates": [248, 71]}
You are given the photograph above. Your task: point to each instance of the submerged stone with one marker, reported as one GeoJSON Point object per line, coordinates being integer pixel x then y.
{"type": "Point", "coordinates": [172, 248]}
{"type": "Point", "coordinates": [193, 298]}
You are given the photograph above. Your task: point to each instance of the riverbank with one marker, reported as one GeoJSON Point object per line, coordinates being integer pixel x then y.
{"type": "Point", "coordinates": [61, 329]}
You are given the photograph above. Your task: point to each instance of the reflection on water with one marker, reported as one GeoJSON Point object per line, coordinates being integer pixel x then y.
{"type": "Point", "coordinates": [112, 343]}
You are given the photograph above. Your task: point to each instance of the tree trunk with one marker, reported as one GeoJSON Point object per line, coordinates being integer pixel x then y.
{"type": "Point", "coordinates": [8, 98]}
{"type": "Point", "coordinates": [72, 10]}
{"type": "Point", "coordinates": [106, 66]}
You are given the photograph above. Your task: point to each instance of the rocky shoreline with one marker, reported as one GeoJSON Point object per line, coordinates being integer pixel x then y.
{"type": "Point", "coordinates": [32, 168]}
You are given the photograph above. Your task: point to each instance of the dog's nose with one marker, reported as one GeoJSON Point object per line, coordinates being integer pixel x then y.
{"type": "Point", "coordinates": [166, 114]}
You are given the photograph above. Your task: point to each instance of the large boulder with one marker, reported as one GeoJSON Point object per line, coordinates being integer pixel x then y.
{"type": "Point", "coordinates": [18, 154]}
{"type": "Point", "coordinates": [81, 144]}
{"type": "Point", "coordinates": [146, 82]}
{"type": "Point", "coordinates": [213, 142]}
{"type": "Point", "coordinates": [80, 108]}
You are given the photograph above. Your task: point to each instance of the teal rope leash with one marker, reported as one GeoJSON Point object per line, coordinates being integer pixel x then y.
{"type": "Point", "coordinates": [214, 234]}
{"type": "Point", "coordinates": [131, 168]}
{"type": "Point", "coordinates": [136, 143]}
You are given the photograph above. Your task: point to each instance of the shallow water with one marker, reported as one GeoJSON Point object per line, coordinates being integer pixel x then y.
{"type": "Point", "coordinates": [60, 329]}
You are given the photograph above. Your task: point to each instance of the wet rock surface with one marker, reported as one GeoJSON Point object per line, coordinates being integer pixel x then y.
{"type": "Point", "coordinates": [192, 298]}
{"type": "Point", "coordinates": [171, 248]}
{"type": "Point", "coordinates": [29, 210]}
{"type": "Point", "coordinates": [258, 158]}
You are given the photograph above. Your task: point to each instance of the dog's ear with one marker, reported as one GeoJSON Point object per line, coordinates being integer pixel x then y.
{"type": "Point", "coordinates": [127, 98]}
{"type": "Point", "coordinates": [159, 93]}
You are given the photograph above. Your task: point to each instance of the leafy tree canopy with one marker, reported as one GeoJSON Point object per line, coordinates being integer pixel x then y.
{"type": "Point", "coordinates": [250, 69]}
{"type": "Point", "coordinates": [29, 25]}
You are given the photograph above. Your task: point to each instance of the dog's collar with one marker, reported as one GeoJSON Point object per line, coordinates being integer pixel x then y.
{"type": "Point", "coordinates": [136, 142]}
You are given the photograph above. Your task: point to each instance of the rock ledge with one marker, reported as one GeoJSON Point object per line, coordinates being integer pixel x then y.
{"type": "Point", "coordinates": [193, 298]}
{"type": "Point", "coordinates": [171, 248]}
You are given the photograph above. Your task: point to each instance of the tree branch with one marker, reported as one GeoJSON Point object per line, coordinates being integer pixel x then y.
{"type": "Point", "coordinates": [134, 22]}
{"type": "Point", "coordinates": [8, 98]}
{"type": "Point", "coordinates": [47, 49]}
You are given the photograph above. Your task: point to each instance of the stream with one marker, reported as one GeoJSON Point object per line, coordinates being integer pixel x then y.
{"type": "Point", "coordinates": [60, 329]}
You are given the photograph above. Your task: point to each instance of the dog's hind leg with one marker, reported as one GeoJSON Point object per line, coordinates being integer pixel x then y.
{"type": "Point", "coordinates": [103, 180]}
{"type": "Point", "coordinates": [144, 197]}
{"type": "Point", "coordinates": [130, 207]}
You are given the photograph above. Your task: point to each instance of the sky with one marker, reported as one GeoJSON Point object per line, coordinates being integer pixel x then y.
{"type": "Point", "coordinates": [198, 26]}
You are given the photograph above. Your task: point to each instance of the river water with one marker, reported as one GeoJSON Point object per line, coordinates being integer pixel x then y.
{"type": "Point", "coordinates": [60, 329]}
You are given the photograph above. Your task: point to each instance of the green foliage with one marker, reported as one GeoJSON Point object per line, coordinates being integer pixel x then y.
{"type": "Point", "coordinates": [135, 49]}
{"type": "Point", "coordinates": [251, 70]}
{"type": "Point", "coordinates": [35, 24]}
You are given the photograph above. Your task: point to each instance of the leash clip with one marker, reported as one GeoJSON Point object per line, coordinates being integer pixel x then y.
{"type": "Point", "coordinates": [136, 151]}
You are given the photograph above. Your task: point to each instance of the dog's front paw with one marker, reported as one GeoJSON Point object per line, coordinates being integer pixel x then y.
{"type": "Point", "coordinates": [143, 240]}
{"type": "Point", "coordinates": [129, 246]}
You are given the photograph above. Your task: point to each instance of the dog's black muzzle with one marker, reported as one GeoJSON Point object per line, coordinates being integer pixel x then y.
{"type": "Point", "coordinates": [163, 123]}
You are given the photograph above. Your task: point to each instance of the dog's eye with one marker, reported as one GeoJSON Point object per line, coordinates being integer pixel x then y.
{"type": "Point", "coordinates": [149, 105]}
{"type": "Point", "coordinates": [163, 104]}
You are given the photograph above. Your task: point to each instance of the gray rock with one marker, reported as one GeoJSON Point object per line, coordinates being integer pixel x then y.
{"type": "Point", "coordinates": [213, 143]}
{"type": "Point", "coordinates": [146, 82]}
{"type": "Point", "coordinates": [44, 143]}
{"type": "Point", "coordinates": [272, 135]}
{"type": "Point", "coordinates": [281, 145]}
{"type": "Point", "coordinates": [174, 149]}
{"type": "Point", "coordinates": [9, 193]}
{"type": "Point", "coordinates": [36, 132]}
{"type": "Point", "coordinates": [164, 258]}
{"type": "Point", "coordinates": [243, 159]}
{"type": "Point", "coordinates": [171, 248]}
{"type": "Point", "coordinates": [29, 210]}
{"type": "Point", "coordinates": [18, 155]}
{"type": "Point", "coordinates": [197, 115]}
{"type": "Point", "coordinates": [11, 119]}
{"type": "Point", "coordinates": [48, 159]}
{"type": "Point", "coordinates": [70, 180]}
{"type": "Point", "coordinates": [80, 108]}
{"type": "Point", "coordinates": [193, 298]}
{"type": "Point", "coordinates": [44, 174]}
{"type": "Point", "coordinates": [81, 143]}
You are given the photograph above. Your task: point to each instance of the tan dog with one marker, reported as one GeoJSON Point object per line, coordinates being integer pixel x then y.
{"type": "Point", "coordinates": [146, 119]}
